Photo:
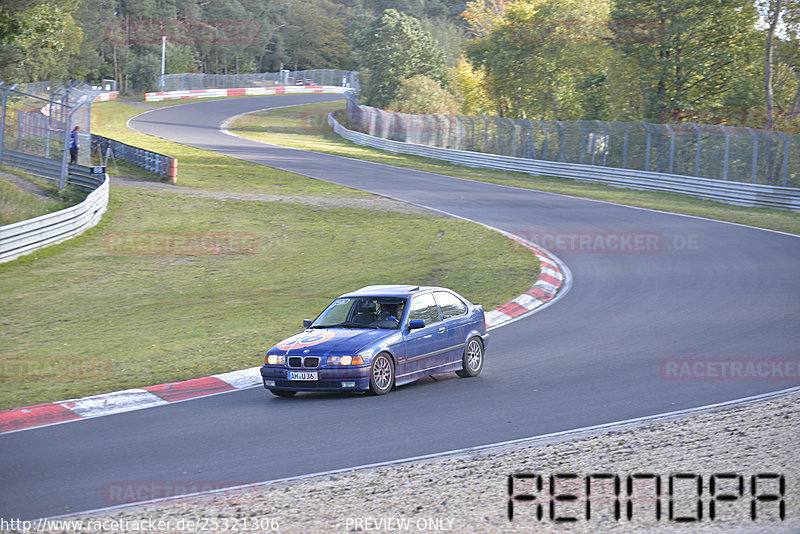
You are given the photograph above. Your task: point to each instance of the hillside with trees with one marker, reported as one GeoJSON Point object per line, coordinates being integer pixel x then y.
{"type": "Point", "coordinates": [729, 61]}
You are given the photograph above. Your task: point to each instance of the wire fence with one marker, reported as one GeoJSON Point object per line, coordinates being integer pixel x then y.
{"type": "Point", "coordinates": [699, 150]}
{"type": "Point", "coordinates": [37, 123]}
{"type": "Point", "coordinates": [189, 82]}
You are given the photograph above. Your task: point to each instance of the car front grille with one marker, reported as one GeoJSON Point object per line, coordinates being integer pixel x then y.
{"type": "Point", "coordinates": [309, 362]}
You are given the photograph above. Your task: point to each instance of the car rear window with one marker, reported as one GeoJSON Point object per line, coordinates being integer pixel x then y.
{"type": "Point", "coordinates": [450, 305]}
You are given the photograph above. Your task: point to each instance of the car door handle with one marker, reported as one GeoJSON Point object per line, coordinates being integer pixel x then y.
{"type": "Point", "coordinates": [441, 329]}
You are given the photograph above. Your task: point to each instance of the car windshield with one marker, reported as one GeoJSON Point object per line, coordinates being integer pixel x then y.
{"type": "Point", "coordinates": [362, 312]}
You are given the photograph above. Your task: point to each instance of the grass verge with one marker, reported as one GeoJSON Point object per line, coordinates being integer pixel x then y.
{"type": "Point", "coordinates": [306, 127]}
{"type": "Point", "coordinates": [117, 308]}
{"type": "Point", "coordinates": [18, 205]}
{"type": "Point", "coordinates": [199, 168]}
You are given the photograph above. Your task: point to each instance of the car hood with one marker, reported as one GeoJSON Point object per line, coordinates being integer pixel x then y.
{"type": "Point", "coordinates": [331, 341]}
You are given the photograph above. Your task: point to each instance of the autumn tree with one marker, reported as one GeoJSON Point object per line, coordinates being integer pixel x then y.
{"type": "Point", "coordinates": [37, 39]}
{"type": "Point", "coordinates": [544, 57]}
{"type": "Point", "coordinates": [393, 49]}
{"type": "Point", "coordinates": [688, 53]}
{"type": "Point", "coordinates": [422, 95]}
{"type": "Point", "coordinates": [313, 37]}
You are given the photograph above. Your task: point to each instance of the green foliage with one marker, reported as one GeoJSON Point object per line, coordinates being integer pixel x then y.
{"type": "Point", "coordinates": [396, 48]}
{"type": "Point", "coordinates": [314, 37]}
{"type": "Point", "coordinates": [37, 39]}
{"type": "Point", "coordinates": [690, 53]}
{"type": "Point", "coordinates": [422, 95]}
{"type": "Point", "coordinates": [471, 86]}
{"type": "Point", "coordinates": [543, 57]}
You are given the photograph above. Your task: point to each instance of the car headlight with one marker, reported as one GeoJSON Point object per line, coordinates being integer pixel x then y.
{"type": "Point", "coordinates": [345, 360]}
{"type": "Point", "coordinates": [275, 359]}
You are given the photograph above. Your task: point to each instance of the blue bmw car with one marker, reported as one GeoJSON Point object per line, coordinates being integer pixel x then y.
{"type": "Point", "coordinates": [379, 337]}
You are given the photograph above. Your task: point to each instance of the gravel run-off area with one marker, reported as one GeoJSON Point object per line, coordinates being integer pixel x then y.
{"type": "Point", "coordinates": [469, 491]}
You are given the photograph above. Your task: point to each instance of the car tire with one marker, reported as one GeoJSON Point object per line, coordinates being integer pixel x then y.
{"type": "Point", "coordinates": [472, 360]}
{"type": "Point", "coordinates": [381, 375]}
{"type": "Point", "coordinates": [283, 393]}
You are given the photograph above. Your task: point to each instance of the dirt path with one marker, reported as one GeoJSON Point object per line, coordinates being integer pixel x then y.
{"type": "Point", "coordinates": [27, 186]}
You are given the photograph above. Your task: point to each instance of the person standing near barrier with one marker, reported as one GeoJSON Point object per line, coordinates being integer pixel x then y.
{"type": "Point", "coordinates": [73, 145]}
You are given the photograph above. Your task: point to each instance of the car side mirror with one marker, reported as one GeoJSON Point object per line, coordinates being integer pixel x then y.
{"type": "Point", "coordinates": [307, 323]}
{"type": "Point", "coordinates": [415, 324]}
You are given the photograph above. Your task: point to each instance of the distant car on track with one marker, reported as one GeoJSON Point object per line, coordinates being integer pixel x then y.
{"type": "Point", "coordinates": [379, 337]}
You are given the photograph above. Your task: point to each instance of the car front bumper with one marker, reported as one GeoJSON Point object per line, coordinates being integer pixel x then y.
{"type": "Point", "coordinates": [329, 379]}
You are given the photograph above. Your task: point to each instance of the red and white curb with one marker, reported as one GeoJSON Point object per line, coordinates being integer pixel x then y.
{"type": "Point", "coordinates": [551, 279]}
{"type": "Point", "coordinates": [126, 400]}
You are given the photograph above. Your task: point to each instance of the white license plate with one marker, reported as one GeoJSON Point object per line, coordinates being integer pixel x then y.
{"type": "Point", "coordinates": [303, 375]}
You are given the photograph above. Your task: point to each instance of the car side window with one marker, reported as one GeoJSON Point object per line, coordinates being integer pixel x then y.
{"type": "Point", "coordinates": [424, 307]}
{"type": "Point", "coordinates": [451, 305]}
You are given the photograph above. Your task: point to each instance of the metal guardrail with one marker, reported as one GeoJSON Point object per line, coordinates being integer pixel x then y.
{"type": "Point", "coordinates": [154, 162]}
{"type": "Point", "coordinates": [743, 194]}
{"type": "Point", "coordinates": [78, 175]}
{"type": "Point", "coordinates": [24, 237]}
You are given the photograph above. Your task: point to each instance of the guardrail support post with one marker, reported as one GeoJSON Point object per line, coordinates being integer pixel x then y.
{"type": "Point", "coordinates": [624, 146]}
{"type": "Point", "coordinates": [727, 152]}
{"type": "Point", "coordinates": [3, 121]}
{"type": "Point", "coordinates": [671, 148]}
{"type": "Point", "coordinates": [755, 153]}
{"type": "Point", "coordinates": [785, 169]}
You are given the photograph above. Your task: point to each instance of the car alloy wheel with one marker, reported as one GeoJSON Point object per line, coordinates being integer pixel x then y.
{"type": "Point", "coordinates": [472, 361]}
{"type": "Point", "coordinates": [381, 377]}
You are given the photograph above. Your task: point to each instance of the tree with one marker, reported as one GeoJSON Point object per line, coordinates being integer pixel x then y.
{"type": "Point", "coordinates": [544, 57]}
{"type": "Point", "coordinates": [472, 86]}
{"type": "Point", "coordinates": [313, 37]}
{"type": "Point", "coordinates": [687, 52]}
{"type": "Point", "coordinates": [481, 18]}
{"type": "Point", "coordinates": [396, 48]}
{"type": "Point", "coordinates": [422, 95]}
{"type": "Point", "coordinates": [782, 59]}
{"type": "Point", "coordinates": [37, 39]}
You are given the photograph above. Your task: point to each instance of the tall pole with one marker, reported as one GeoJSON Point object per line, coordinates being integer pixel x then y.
{"type": "Point", "coordinates": [163, 55]}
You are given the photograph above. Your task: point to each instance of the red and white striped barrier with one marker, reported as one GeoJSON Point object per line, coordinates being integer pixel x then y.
{"type": "Point", "coordinates": [106, 95]}
{"type": "Point", "coordinates": [250, 91]}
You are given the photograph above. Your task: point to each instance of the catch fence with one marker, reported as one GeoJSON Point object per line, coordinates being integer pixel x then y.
{"type": "Point", "coordinates": [193, 82]}
{"type": "Point", "coordinates": [687, 149]}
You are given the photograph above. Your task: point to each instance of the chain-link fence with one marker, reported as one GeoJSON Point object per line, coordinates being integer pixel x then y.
{"type": "Point", "coordinates": [38, 124]}
{"type": "Point", "coordinates": [187, 82]}
{"type": "Point", "coordinates": [688, 149]}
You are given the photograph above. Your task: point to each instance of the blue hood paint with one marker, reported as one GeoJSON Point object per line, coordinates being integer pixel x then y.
{"type": "Point", "coordinates": [332, 341]}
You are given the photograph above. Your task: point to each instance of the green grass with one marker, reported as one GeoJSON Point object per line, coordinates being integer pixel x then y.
{"type": "Point", "coordinates": [306, 127]}
{"type": "Point", "coordinates": [110, 310]}
{"type": "Point", "coordinates": [18, 205]}
{"type": "Point", "coordinates": [199, 168]}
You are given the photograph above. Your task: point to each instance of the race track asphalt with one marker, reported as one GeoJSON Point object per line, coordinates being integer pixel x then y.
{"type": "Point", "coordinates": [702, 290]}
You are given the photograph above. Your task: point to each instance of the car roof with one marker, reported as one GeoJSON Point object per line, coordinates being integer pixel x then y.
{"type": "Point", "coordinates": [390, 291]}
